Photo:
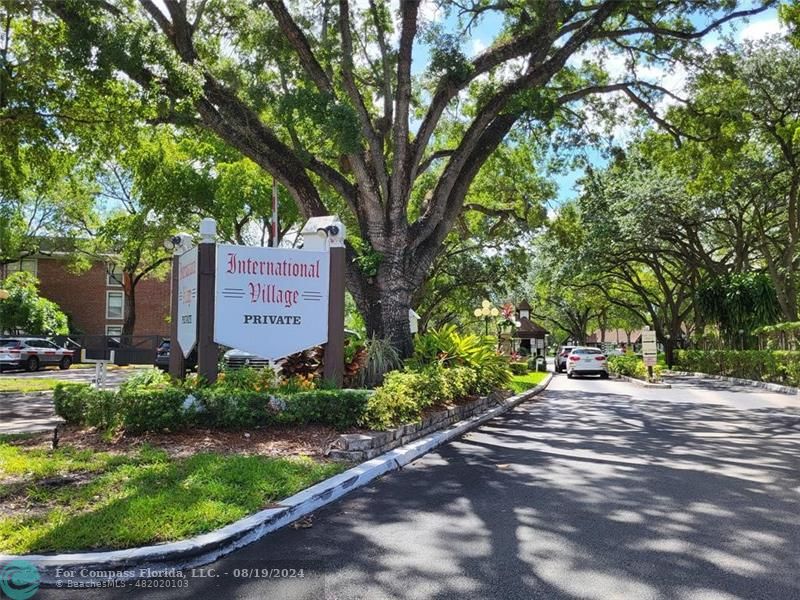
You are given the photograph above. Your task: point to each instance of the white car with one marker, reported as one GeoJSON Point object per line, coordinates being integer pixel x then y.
{"type": "Point", "coordinates": [32, 354]}
{"type": "Point", "coordinates": [587, 361]}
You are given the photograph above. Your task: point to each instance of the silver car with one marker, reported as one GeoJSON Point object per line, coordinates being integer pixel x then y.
{"type": "Point", "coordinates": [32, 354]}
{"type": "Point", "coordinates": [561, 358]}
{"type": "Point", "coordinates": [236, 359]}
{"type": "Point", "coordinates": [587, 361]}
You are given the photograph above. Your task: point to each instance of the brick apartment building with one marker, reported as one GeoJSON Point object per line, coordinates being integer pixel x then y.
{"type": "Point", "coordinates": [94, 299]}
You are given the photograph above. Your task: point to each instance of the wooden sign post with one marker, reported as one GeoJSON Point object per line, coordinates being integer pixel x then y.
{"type": "Point", "coordinates": [333, 370]}
{"type": "Point", "coordinates": [207, 349]}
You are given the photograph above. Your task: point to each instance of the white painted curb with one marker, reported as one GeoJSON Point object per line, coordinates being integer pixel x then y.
{"type": "Point", "coordinates": [208, 547]}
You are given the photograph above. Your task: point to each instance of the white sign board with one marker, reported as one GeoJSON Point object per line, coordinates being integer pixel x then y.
{"type": "Point", "coordinates": [187, 301]}
{"type": "Point", "coordinates": [271, 302]}
{"type": "Point", "coordinates": [649, 348]}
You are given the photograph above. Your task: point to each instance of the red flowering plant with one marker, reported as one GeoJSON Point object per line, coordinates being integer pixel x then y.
{"type": "Point", "coordinates": [509, 318]}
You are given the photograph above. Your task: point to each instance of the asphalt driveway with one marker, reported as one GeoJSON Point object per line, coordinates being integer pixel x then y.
{"type": "Point", "coordinates": [598, 490]}
{"type": "Point", "coordinates": [27, 413]}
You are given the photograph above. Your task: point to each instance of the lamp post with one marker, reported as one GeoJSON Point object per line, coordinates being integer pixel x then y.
{"type": "Point", "coordinates": [741, 339]}
{"type": "Point", "coordinates": [487, 311]}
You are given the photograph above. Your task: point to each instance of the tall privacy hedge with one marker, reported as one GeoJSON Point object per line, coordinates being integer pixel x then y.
{"type": "Point", "coordinates": [775, 366]}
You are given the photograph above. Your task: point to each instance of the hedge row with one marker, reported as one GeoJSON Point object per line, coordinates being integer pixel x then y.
{"type": "Point", "coordinates": [405, 394]}
{"type": "Point", "coordinates": [401, 399]}
{"type": "Point", "coordinates": [775, 366]}
{"type": "Point", "coordinates": [138, 409]}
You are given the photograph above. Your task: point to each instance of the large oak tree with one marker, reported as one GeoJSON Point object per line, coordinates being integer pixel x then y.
{"type": "Point", "coordinates": [327, 97]}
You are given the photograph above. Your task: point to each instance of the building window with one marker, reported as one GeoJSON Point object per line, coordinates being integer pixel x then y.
{"type": "Point", "coordinates": [29, 265]}
{"type": "Point", "coordinates": [114, 275]}
{"type": "Point", "coordinates": [113, 329]}
{"type": "Point", "coordinates": [115, 305]}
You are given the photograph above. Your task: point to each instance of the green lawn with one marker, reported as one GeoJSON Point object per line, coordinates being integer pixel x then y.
{"type": "Point", "coordinates": [80, 499]}
{"type": "Point", "coordinates": [26, 384]}
{"type": "Point", "coordinates": [520, 383]}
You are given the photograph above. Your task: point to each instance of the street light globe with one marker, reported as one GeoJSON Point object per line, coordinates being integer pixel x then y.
{"type": "Point", "coordinates": [495, 312]}
{"type": "Point", "coordinates": [486, 304]}
{"type": "Point", "coordinates": [485, 311]}
{"type": "Point", "coordinates": [477, 312]}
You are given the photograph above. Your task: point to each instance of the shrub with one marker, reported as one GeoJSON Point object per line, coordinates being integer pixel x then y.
{"type": "Point", "coordinates": [493, 373]}
{"type": "Point", "coordinates": [70, 400]}
{"type": "Point", "coordinates": [463, 380]}
{"type": "Point", "coordinates": [137, 409]}
{"type": "Point", "coordinates": [146, 378]}
{"type": "Point", "coordinates": [449, 348]}
{"type": "Point", "coordinates": [519, 368]}
{"type": "Point", "coordinates": [142, 409]}
{"type": "Point", "coordinates": [628, 365]}
{"type": "Point", "coordinates": [305, 362]}
{"type": "Point", "coordinates": [355, 359]}
{"type": "Point", "coordinates": [102, 409]}
{"type": "Point", "coordinates": [631, 365]}
{"type": "Point", "coordinates": [395, 402]}
{"type": "Point", "coordinates": [404, 394]}
{"type": "Point", "coordinates": [234, 408]}
{"type": "Point", "coordinates": [299, 383]}
{"type": "Point", "coordinates": [381, 358]}
{"type": "Point", "coordinates": [761, 365]}
{"type": "Point", "coordinates": [338, 408]}
{"type": "Point", "coordinates": [248, 378]}
{"type": "Point", "coordinates": [81, 404]}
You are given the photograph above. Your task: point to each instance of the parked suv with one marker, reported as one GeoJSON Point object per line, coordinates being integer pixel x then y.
{"type": "Point", "coordinates": [162, 356]}
{"type": "Point", "coordinates": [32, 354]}
{"type": "Point", "coordinates": [561, 358]}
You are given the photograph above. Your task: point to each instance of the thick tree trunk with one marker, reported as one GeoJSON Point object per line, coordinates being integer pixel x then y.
{"type": "Point", "coordinates": [387, 317]}
{"type": "Point", "coordinates": [129, 323]}
{"type": "Point", "coordinates": [384, 299]}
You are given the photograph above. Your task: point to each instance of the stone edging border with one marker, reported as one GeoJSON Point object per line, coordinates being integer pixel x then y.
{"type": "Point", "coordinates": [208, 547]}
{"type": "Point", "coordinates": [772, 387]}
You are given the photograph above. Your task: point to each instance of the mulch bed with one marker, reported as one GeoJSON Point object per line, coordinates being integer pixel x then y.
{"type": "Point", "coordinates": [310, 440]}
{"type": "Point", "coordinates": [275, 441]}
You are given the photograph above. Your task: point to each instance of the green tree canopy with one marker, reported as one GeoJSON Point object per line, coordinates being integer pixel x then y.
{"type": "Point", "coordinates": [320, 96]}
{"type": "Point", "coordinates": [25, 311]}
